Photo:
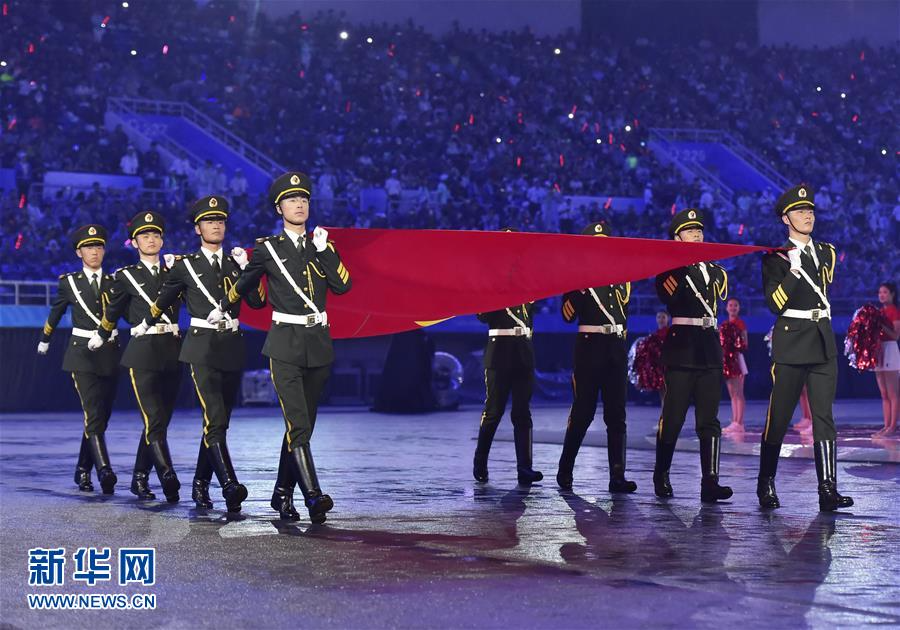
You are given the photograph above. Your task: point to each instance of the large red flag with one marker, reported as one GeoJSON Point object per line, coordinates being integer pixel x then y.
{"type": "Point", "coordinates": [405, 279]}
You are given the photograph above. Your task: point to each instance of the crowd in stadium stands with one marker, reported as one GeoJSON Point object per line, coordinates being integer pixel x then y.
{"type": "Point", "coordinates": [485, 129]}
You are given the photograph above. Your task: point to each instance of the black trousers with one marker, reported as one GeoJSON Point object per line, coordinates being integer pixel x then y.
{"type": "Point", "coordinates": [787, 384]}
{"type": "Point", "coordinates": [155, 391]}
{"type": "Point", "coordinates": [603, 377]}
{"type": "Point", "coordinates": [217, 391]}
{"type": "Point", "coordinates": [683, 385]}
{"type": "Point", "coordinates": [96, 393]}
{"type": "Point", "coordinates": [499, 384]}
{"type": "Point", "coordinates": [298, 389]}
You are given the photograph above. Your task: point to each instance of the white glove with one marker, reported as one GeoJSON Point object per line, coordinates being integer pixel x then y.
{"type": "Point", "coordinates": [320, 239]}
{"type": "Point", "coordinates": [240, 257]}
{"type": "Point", "coordinates": [215, 316]}
{"type": "Point", "coordinates": [169, 260]}
{"type": "Point", "coordinates": [140, 329]}
{"type": "Point", "coordinates": [794, 257]}
{"type": "Point", "coordinates": [43, 346]}
{"type": "Point", "coordinates": [95, 342]}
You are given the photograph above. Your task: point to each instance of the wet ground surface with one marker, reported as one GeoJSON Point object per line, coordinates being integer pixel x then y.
{"type": "Point", "coordinates": [414, 542]}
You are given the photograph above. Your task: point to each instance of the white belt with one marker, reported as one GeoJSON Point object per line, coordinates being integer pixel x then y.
{"type": "Point", "coordinates": [87, 334]}
{"type": "Point", "coordinates": [604, 329]}
{"type": "Point", "coordinates": [518, 331]}
{"type": "Point", "coordinates": [225, 325]}
{"type": "Point", "coordinates": [300, 320]}
{"type": "Point", "coordinates": [702, 322]}
{"type": "Point", "coordinates": [160, 329]}
{"type": "Point", "coordinates": [814, 315]}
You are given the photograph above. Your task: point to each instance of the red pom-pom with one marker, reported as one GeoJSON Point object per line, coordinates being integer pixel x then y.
{"type": "Point", "coordinates": [732, 346]}
{"type": "Point", "coordinates": [863, 342]}
{"type": "Point", "coordinates": [645, 367]}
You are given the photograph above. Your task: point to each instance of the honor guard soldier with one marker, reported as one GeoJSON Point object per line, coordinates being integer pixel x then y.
{"type": "Point", "coordinates": [215, 352]}
{"type": "Point", "coordinates": [508, 369]}
{"type": "Point", "coordinates": [151, 358]}
{"type": "Point", "coordinates": [803, 347]}
{"type": "Point", "coordinates": [94, 373]}
{"type": "Point", "coordinates": [300, 268]}
{"type": "Point", "coordinates": [601, 368]}
{"type": "Point", "coordinates": [692, 356]}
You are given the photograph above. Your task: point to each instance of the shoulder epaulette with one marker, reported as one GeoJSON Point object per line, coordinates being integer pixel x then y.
{"type": "Point", "coordinates": [263, 239]}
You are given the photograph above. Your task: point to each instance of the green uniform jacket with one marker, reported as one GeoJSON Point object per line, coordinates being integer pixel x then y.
{"type": "Point", "coordinates": [205, 346]}
{"type": "Point", "coordinates": [692, 346]}
{"type": "Point", "coordinates": [147, 352]}
{"type": "Point", "coordinates": [507, 352]}
{"type": "Point", "coordinates": [314, 273]}
{"type": "Point", "coordinates": [799, 341]}
{"type": "Point", "coordinates": [78, 358]}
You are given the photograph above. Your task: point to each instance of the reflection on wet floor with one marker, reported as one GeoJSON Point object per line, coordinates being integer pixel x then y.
{"type": "Point", "coordinates": [409, 516]}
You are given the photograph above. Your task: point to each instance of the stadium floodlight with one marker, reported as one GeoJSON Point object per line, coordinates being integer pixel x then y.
{"type": "Point", "coordinates": [498, 139]}
{"type": "Point", "coordinates": [818, 88]}
{"type": "Point", "coordinates": [843, 95]}
{"type": "Point", "coordinates": [133, 52]}
{"type": "Point", "coordinates": [571, 115]}
{"type": "Point", "coordinates": [124, 5]}
{"type": "Point", "coordinates": [557, 51]}
{"type": "Point", "coordinates": [627, 127]}
{"type": "Point", "coordinates": [599, 141]}
{"type": "Point", "coordinates": [344, 35]}
{"type": "Point", "coordinates": [369, 40]}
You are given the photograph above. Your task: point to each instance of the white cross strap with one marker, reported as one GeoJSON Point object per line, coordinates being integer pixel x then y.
{"type": "Point", "coordinates": [612, 320]}
{"type": "Point", "coordinates": [290, 279]}
{"type": "Point", "coordinates": [141, 292]}
{"type": "Point", "coordinates": [201, 286]}
{"type": "Point", "coordinates": [810, 282]}
{"type": "Point", "coordinates": [80, 301]}
{"type": "Point", "coordinates": [705, 304]}
{"type": "Point", "coordinates": [519, 322]}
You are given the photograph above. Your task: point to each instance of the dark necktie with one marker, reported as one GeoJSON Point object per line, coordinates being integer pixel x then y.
{"type": "Point", "coordinates": [809, 253]}
{"type": "Point", "coordinates": [155, 270]}
{"type": "Point", "coordinates": [215, 265]}
{"type": "Point", "coordinates": [95, 285]}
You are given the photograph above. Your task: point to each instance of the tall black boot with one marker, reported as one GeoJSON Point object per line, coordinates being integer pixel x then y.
{"type": "Point", "coordinates": [234, 492]}
{"type": "Point", "coordinates": [202, 475]}
{"type": "Point", "coordinates": [304, 471]}
{"type": "Point", "coordinates": [826, 470]}
{"type": "Point", "coordinates": [486, 434]}
{"type": "Point", "coordinates": [283, 494]}
{"type": "Point", "coordinates": [765, 483]}
{"type": "Point", "coordinates": [664, 453]}
{"type": "Point", "coordinates": [710, 490]}
{"type": "Point", "coordinates": [616, 446]}
{"type": "Point", "coordinates": [140, 478]}
{"type": "Point", "coordinates": [571, 445]}
{"type": "Point", "coordinates": [83, 467]}
{"type": "Point", "coordinates": [97, 447]}
{"type": "Point", "coordinates": [526, 474]}
{"type": "Point", "coordinates": [159, 451]}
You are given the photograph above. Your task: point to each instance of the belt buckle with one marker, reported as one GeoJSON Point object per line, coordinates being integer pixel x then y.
{"type": "Point", "coordinates": [311, 320]}
{"type": "Point", "coordinates": [160, 329]}
{"type": "Point", "coordinates": [816, 314]}
{"type": "Point", "coordinates": [708, 322]}
{"type": "Point", "coordinates": [518, 331]}
{"type": "Point", "coordinates": [221, 325]}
